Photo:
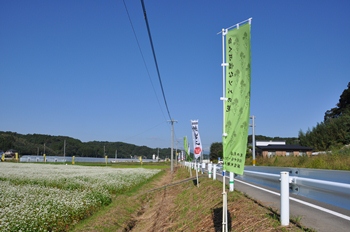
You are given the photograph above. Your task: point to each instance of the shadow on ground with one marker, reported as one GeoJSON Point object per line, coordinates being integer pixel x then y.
{"type": "Point", "coordinates": [217, 219]}
{"type": "Point", "coordinates": [195, 182]}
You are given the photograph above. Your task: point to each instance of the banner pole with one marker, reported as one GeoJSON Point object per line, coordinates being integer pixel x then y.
{"type": "Point", "coordinates": [234, 102]}
{"type": "Point", "coordinates": [197, 174]}
{"type": "Point", "coordinates": [237, 25]}
{"type": "Point", "coordinates": [224, 212]}
{"type": "Point", "coordinates": [223, 98]}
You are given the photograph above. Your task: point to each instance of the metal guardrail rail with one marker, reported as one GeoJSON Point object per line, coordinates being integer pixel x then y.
{"type": "Point", "coordinates": [328, 186]}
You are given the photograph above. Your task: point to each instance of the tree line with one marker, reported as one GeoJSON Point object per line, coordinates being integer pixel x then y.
{"type": "Point", "coordinates": [334, 131]}
{"type": "Point", "coordinates": [37, 144]}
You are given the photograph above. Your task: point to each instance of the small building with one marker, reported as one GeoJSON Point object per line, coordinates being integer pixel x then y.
{"type": "Point", "coordinates": [266, 143]}
{"type": "Point", "coordinates": [10, 153]}
{"type": "Point", "coordinates": [283, 150]}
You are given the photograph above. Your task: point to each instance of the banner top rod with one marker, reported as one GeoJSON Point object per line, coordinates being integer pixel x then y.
{"type": "Point", "coordinates": [236, 25]}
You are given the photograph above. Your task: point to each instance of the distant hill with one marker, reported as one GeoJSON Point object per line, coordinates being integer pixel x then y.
{"type": "Point", "coordinates": [35, 144]}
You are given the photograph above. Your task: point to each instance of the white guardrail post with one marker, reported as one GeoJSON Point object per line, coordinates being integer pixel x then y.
{"type": "Point", "coordinates": [232, 181]}
{"type": "Point", "coordinates": [209, 169]}
{"type": "Point", "coordinates": [214, 172]}
{"type": "Point", "coordinates": [284, 198]}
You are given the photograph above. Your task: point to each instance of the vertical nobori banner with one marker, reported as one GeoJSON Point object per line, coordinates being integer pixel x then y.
{"type": "Point", "coordinates": [196, 139]}
{"type": "Point", "coordinates": [237, 105]}
{"type": "Point", "coordinates": [186, 148]}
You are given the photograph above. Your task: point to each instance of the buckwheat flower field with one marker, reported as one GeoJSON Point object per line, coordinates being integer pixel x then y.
{"type": "Point", "coordinates": [45, 197]}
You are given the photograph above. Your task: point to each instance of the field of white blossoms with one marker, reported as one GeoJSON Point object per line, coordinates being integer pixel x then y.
{"type": "Point", "coordinates": [47, 197]}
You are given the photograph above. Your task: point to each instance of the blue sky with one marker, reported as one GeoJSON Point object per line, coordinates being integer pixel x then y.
{"type": "Point", "coordinates": [74, 68]}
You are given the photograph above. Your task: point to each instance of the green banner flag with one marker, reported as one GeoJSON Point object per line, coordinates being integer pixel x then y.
{"type": "Point", "coordinates": [237, 105]}
{"type": "Point", "coordinates": [186, 148]}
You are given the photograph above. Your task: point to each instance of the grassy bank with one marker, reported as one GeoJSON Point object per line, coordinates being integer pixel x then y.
{"type": "Point", "coordinates": [120, 214]}
{"type": "Point", "coordinates": [336, 160]}
{"type": "Point", "coordinates": [173, 202]}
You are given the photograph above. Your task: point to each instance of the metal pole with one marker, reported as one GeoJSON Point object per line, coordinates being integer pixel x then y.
{"type": "Point", "coordinates": [176, 155]}
{"type": "Point", "coordinates": [214, 172]}
{"type": "Point", "coordinates": [284, 198]}
{"type": "Point", "coordinates": [253, 138]}
{"type": "Point", "coordinates": [232, 186]}
{"type": "Point", "coordinates": [197, 167]}
{"type": "Point", "coordinates": [224, 213]}
{"type": "Point", "coordinates": [223, 98]}
{"type": "Point", "coordinates": [172, 145]}
{"type": "Point", "coordinates": [210, 169]}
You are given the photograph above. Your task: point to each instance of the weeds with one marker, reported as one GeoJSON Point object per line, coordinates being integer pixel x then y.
{"type": "Point", "coordinates": [336, 160]}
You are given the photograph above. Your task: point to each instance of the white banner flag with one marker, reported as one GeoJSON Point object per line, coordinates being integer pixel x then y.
{"type": "Point", "coordinates": [196, 139]}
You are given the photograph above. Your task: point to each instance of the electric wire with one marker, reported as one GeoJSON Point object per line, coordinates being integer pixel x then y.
{"type": "Point", "coordinates": [143, 58]}
{"type": "Point", "coordinates": [149, 129]}
{"type": "Point", "coordinates": [155, 59]}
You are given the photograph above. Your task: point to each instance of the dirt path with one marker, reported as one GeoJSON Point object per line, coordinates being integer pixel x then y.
{"type": "Point", "coordinates": [157, 210]}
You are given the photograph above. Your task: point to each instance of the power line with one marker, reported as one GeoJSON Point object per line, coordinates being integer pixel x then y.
{"type": "Point", "coordinates": [126, 139]}
{"type": "Point", "coordinates": [143, 58]}
{"type": "Point", "coordinates": [154, 57]}
{"type": "Point", "coordinates": [161, 85]}
{"type": "Point", "coordinates": [159, 78]}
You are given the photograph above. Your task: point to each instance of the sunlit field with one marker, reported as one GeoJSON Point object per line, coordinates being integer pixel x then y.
{"type": "Point", "coordinates": [44, 197]}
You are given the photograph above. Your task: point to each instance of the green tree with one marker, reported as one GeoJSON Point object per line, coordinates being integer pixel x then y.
{"type": "Point", "coordinates": [342, 107]}
{"type": "Point", "coordinates": [334, 131]}
{"type": "Point", "coordinates": [215, 151]}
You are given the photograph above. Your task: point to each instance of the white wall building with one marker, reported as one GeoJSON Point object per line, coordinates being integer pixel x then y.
{"type": "Point", "coordinates": [266, 143]}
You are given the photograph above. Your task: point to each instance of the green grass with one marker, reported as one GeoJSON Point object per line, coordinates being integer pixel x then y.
{"type": "Point", "coordinates": [116, 215]}
{"type": "Point", "coordinates": [336, 160]}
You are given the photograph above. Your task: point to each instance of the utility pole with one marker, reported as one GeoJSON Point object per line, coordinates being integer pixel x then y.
{"type": "Point", "coordinates": [64, 149]}
{"type": "Point", "coordinates": [172, 145]}
{"type": "Point", "coordinates": [253, 137]}
{"type": "Point", "coordinates": [176, 153]}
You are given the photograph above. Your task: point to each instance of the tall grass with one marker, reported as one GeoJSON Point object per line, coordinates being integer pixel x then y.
{"type": "Point", "coordinates": [335, 160]}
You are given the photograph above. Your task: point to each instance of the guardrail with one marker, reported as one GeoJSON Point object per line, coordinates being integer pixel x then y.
{"type": "Point", "coordinates": [328, 186]}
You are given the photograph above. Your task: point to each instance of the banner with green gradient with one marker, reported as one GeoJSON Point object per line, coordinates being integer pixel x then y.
{"type": "Point", "coordinates": [237, 105]}
{"type": "Point", "coordinates": [186, 148]}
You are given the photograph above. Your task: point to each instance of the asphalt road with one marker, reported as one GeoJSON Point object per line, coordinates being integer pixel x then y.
{"type": "Point", "coordinates": [311, 214]}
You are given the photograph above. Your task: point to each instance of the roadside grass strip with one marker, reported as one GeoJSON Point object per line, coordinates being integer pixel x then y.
{"type": "Point", "coordinates": [37, 197]}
